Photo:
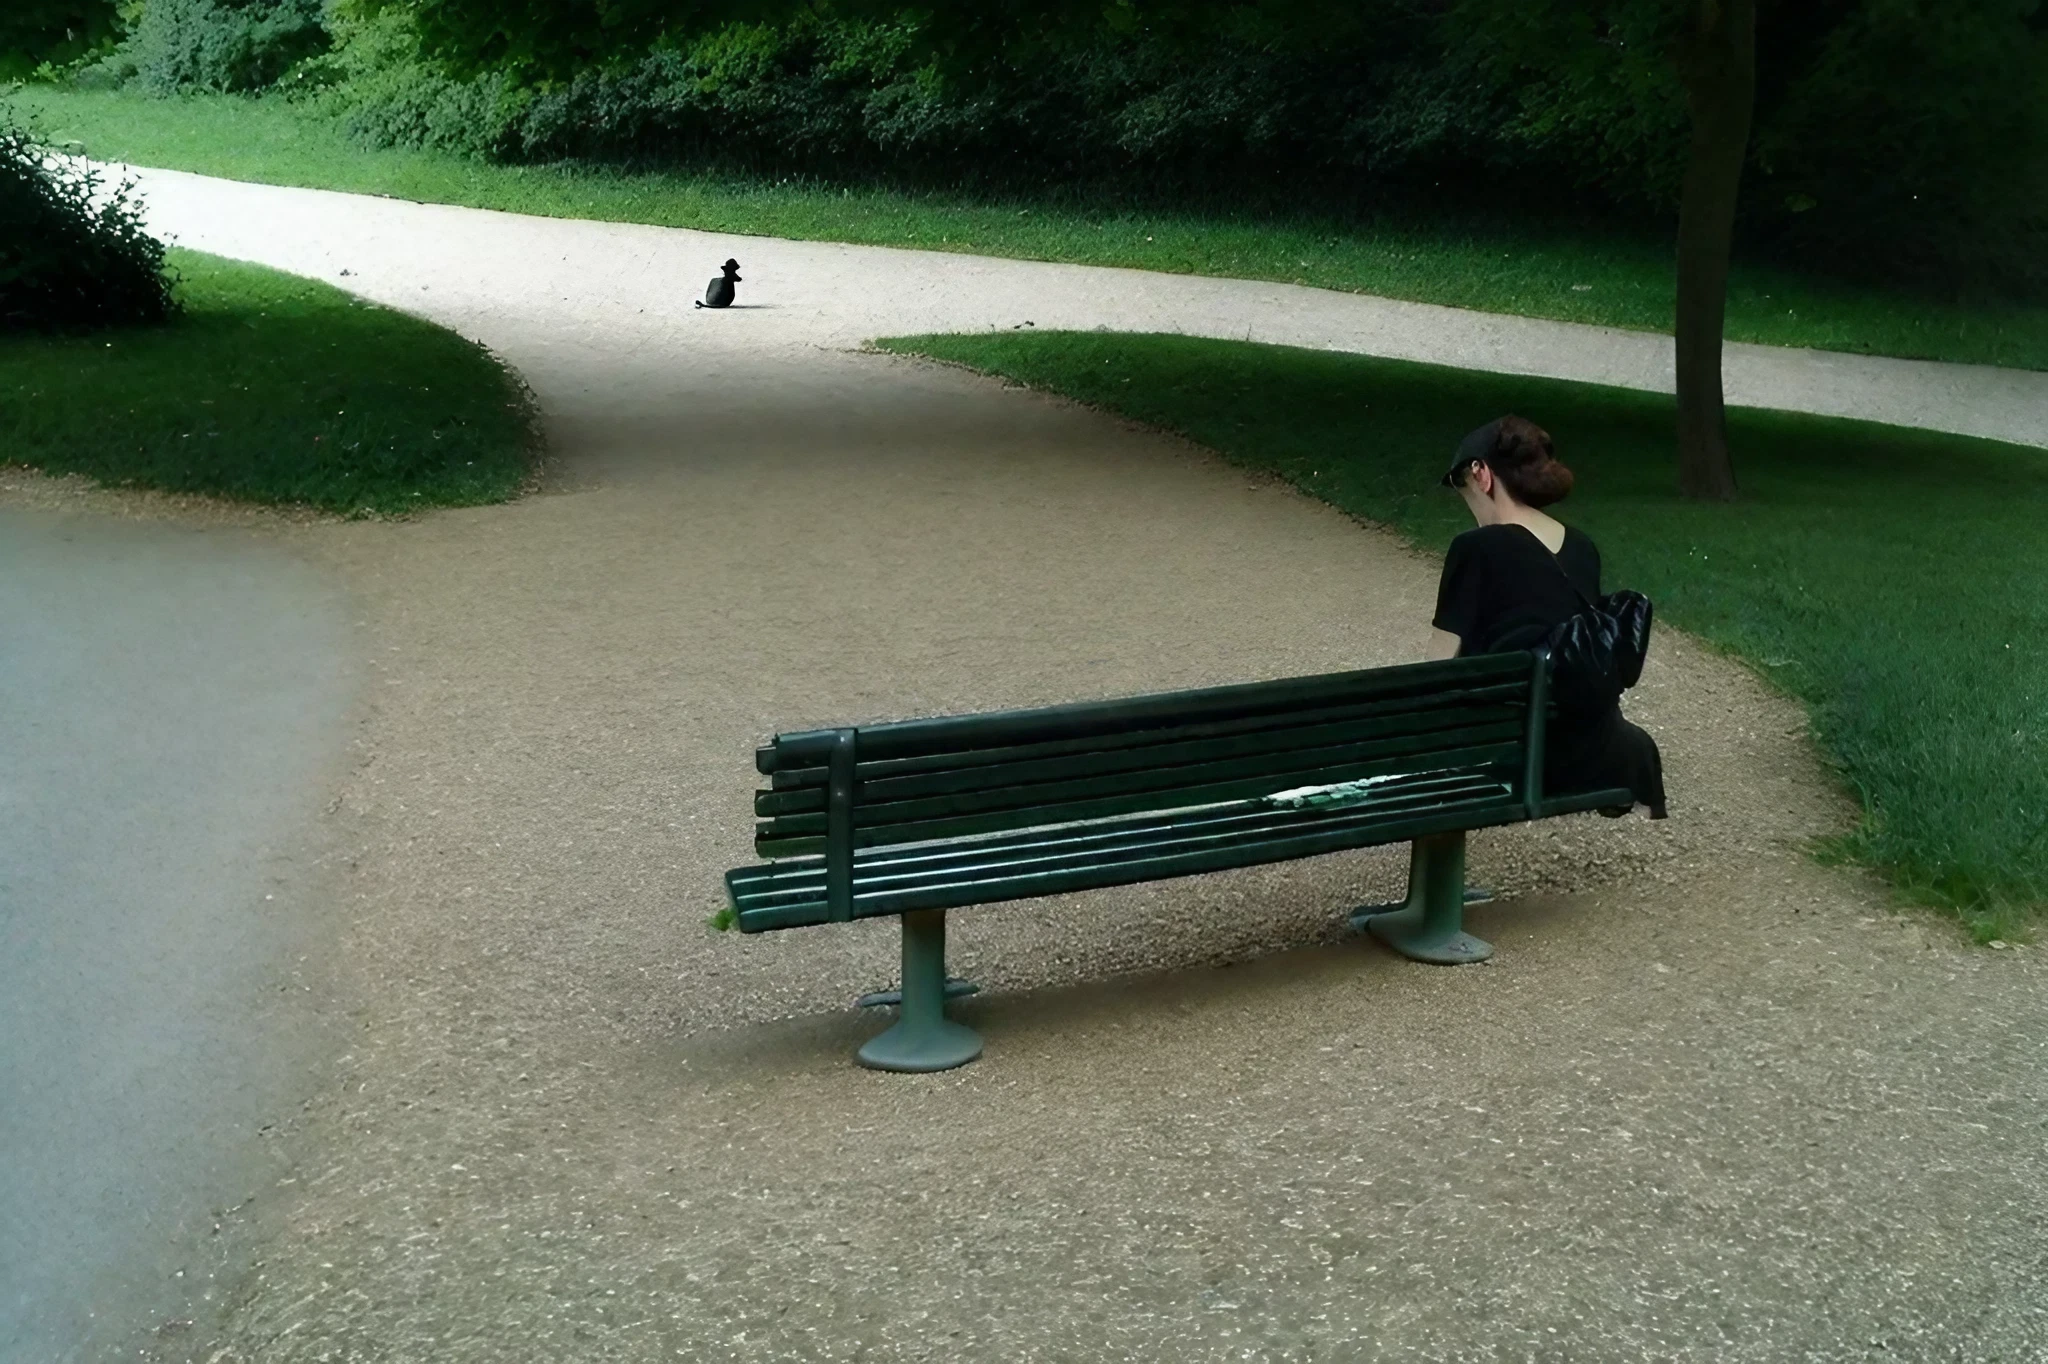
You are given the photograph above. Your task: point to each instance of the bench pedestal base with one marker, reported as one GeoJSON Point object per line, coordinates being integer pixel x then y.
{"type": "Point", "coordinates": [923, 1039]}
{"type": "Point", "coordinates": [938, 1046]}
{"type": "Point", "coordinates": [1430, 924]}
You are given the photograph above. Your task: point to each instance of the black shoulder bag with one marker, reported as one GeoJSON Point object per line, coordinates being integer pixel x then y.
{"type": "Point", "coordinates": [1597, 654]}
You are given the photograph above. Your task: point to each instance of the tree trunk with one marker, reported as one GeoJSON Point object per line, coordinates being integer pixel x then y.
{"type": "Point", "coordinates": [1718, 66]}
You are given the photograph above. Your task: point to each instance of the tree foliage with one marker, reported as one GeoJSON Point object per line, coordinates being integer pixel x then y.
{"type": "Point", "coordinates": [58, 32]}
{"type": "Point", "coordinates": [1907, 137]}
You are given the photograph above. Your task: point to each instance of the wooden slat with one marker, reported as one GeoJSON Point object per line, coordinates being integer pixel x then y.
{"type": "Point", "coordinates": [1094, 873]}
{"type": "Point", "coordinates": [882, 868]}
{"type": "Point", "coordinates": [1192, 776]}
{"type": "Point", "coordinates": [889, 867]}
{"type": "Point", "coordinates": [1500, 695]}
{"type": "Point", "coordinates": [1446, 785]}
{"type": "Point", "coordinates": [996, 729]}
{"type": "Point", "coordinates": [1167, 755]}
{"type": "Point", "coordinates": [792, 835]}
{"type": "Point", "coordinates": [1008, 862]}
{"type": "Point", "coordinates": [1189, 775]}
{"type": "Point", "coordinates": [911, 738]}
{"type": "Point", "coordinates": [1335, 834]}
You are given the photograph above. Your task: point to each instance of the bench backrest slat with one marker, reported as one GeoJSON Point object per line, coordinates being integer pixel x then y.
{"type": "Point", "coordinates": [978, 774]}
{"type": "Point", "coordinates": [1181, 766]}
{"type": "Point", "coordinates": [994, 729]}
{"type": "Point", "coordinates": [901, 778]}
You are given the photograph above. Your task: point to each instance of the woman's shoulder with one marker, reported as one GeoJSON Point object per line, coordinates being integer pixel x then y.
{"type": "Point", "coordinates": [1485, 539]}
{"type": "Point", "coordinates": [1502, 541]}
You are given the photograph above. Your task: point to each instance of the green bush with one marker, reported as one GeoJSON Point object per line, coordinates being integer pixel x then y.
{"type": "Point", "coordinates": [72, 252]}
{"type": "Point", "coordinates": [386, 96]}
{"type": "Point", "coordinates": [832, 97]}
{"type": "Point", "coordinates": [222, 45]}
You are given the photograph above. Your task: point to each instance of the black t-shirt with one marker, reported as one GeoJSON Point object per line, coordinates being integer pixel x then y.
{"type": "Point", "coordinates": [1502, 591]}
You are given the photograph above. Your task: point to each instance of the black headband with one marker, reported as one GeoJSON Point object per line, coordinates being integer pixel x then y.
{"type": "Point", "coordinates": [1476, 448]}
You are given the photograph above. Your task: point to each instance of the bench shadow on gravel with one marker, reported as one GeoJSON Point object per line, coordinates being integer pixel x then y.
{"type": "Point", "coordinates": [1025, 1024]}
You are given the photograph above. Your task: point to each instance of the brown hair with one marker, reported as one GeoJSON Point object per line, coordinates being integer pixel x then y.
{"type": "Point", "coordinates": [1523, 460]}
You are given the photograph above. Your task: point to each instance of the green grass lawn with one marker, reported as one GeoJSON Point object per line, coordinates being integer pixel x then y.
{"type": "Point", "coordinates": [271, 388]}
{"type": "Point", "coordinates": [1894, 580]}
{"type": "Point", "coordinates": [1611, 281]}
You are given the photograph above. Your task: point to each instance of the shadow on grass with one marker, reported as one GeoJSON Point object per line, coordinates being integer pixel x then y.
{"type": "Point", "coordinates": [270, 388]}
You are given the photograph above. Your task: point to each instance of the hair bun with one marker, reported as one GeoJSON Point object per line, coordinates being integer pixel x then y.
{"type": "Point", "coordinates": [1526, 462]}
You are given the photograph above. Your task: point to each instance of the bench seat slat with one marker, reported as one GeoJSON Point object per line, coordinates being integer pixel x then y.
{"type": "Point", "coordinates": [1313, 834]}
{"type": "Point", "coordinates": [882, 868]}
{"type": "Point", "coordinates": [1421, 710]}
{"type": "Point", "coordinates": [1169, 853]}
{"type": "Point", "coordinates": [797, 834]}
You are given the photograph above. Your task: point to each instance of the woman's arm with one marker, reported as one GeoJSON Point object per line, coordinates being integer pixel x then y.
{"type": "Point", "coordinates": [1458, 596]}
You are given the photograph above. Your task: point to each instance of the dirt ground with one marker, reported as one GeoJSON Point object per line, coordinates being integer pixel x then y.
{"type": "Point", "coordinates": [1710, 1101]}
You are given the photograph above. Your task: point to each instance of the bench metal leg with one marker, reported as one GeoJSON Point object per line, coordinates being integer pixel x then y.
{"type": "Point", "coordinates": [923, 1039]}
{"type": "Point", "coordinates": [1430, 924]}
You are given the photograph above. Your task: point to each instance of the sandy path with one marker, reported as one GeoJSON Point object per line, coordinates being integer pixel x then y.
{"type": "Point", "coordinates": [565, 278]}
{"type": "Point", "coordinates": [1709, 1103]}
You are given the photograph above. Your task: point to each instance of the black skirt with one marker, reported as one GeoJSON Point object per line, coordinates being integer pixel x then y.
{"type": "Point", "coordinates": [1609, 752]}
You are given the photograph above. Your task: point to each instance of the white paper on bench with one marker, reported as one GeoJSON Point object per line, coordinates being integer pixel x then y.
{"type": "Point", "coordinates": [1327, 795]}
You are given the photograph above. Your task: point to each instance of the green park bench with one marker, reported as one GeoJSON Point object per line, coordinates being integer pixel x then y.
{"type": "Point", "coordinates": [916, 817]}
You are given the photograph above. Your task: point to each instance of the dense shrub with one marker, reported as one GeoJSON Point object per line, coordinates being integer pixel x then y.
{"type": "Point", "coordinates": [72, 252]}
{"type": "Point", "coordinates": [388, 96]}
{"type": "Point", "coordinates": [836, 98]}
{"type": "Point", "coordinates": [222, 45]}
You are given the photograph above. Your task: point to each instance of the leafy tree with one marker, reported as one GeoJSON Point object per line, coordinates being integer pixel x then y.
{"type": "Point", "coordinates": [56, 31]}
{"type": "Point", "coordinates": [1909, 137]}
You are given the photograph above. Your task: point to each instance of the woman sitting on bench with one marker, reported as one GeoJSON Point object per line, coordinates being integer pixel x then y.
{"type": "Point", "coordinates": [1516, 576]}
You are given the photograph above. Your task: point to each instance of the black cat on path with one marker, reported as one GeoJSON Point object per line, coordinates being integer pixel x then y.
{"type": "Point", "coordinates": [720, 292]}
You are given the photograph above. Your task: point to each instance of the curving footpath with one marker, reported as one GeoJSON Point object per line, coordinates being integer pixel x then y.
{"type": "Point", "coordinates": [567, 275]}
{"type": "Point", "coordinates": [1710, 1101]}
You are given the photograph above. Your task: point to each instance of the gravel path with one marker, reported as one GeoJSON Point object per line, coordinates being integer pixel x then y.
{"type": "Point", "coordinates": [1710, 1102]}
{"type": "Point", "coordinates": [559, 281]}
